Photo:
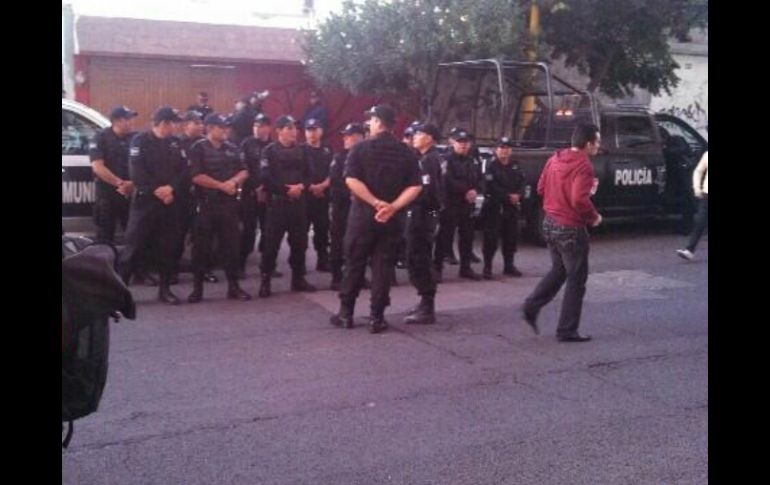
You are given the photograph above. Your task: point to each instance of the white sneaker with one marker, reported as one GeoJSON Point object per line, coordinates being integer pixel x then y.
{"type": "Point", "coordinates": [685, 254]}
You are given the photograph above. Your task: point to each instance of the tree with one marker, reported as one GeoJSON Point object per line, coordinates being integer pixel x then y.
{"type": "Point", "coordinates": [620, 44]}
{"type": "Point", "coordinates": [381, 48]}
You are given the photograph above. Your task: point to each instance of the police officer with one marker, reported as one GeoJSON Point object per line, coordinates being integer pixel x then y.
{"type": "Point", "coordinates": [318, 191]}
{"type": "Point", "coordinates": [109, 162]}
{"type": "Point", "coordinates": [253, 201]}
{"type": "Point", "coordinates": [421, 223]}
{"type": "Point", "coordinates": [461, 187]}
{"type": "Point", "coordinates": [340, 200]}
{"type": "Point", "coordinates": [157, 168]}
{"type": "Point", "coordinates": [201, 107]}
{"type": "Point", "coordinates": [383, 175]}
{"type": "Point", "coordinates": [285, 171]}
{"type": "Point", "coordinates": [218, 172]}
{"type": "Point", "coordinates": [192, 131]}
{"type": "Point", "coordinates": [504, 191]}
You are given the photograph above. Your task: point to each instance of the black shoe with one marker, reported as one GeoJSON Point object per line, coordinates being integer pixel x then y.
{"type": "Point", "coordinates": [344, 318]}
{"type": "Point", "coordinates": [530, 320]}
{"type": "Point", "coordinates": [487, 272]}
{"type": "Point", "coordinates": [264, 287]}
{"type": "Point", "coordinates": [574, 338]}
{"type": "Point", "coordinates": [474, 258]}
{"type": "Point", "coordinates": [422, 314]}
{"type": "Point", "coordinates": [512, 271]}
{"type": "Point", "coordinates": [377, 324]}
{"type": "Point", "coordinates": [469, 274]}
{"type": "Point", "coordinates": [234, 292]}
{"type": "Point", "coordinates": [210, 278]}
{"type": "Point", "coordinates": [299, 283]}
{"type": "Point", "coordinates": [166, 296]}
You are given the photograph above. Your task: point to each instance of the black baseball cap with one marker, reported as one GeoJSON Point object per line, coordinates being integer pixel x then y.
{"type": "Point", "coordinates": [352, 128]}
{"type": "Point", "coordinates": [217, 119]}
{"type": "Point", "coordinates": [166, 113]}
{"type": "Point", "coordinates": [429, 129]}
{"type": "Point", "coordinates": [285, 121]}
{"type": "Point", "coordinates": [192, 115]}
{"type": "Point", "coordinates": [262, 119]}
{"type": "Point", "coordinates": [459, 134]}
{"type": "Point", "coordinates": [383, 112]}
{"type": "Point", "coordinates": [506, 142]}
{"type": "Point", "coordinates": [313, 124]}
{"type": "Point", "coordinates": [122, 113]}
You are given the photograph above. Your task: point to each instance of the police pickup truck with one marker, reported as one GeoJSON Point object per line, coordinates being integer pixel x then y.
{"type": "Point", "coordinates": [79, 124]}
{"type": "Point", "coordinates": [644, 164]}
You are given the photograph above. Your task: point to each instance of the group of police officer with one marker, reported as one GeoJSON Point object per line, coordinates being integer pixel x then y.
{"type": "Point", "coordinates": [186, 174]}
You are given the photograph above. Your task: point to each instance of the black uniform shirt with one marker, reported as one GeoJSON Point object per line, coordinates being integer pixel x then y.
{"type": "Point", "coordinates": [220, 164]}
{"type": "Point", "coordinates": [281, 166]}
{"type": "Point", "coordinates": [251, 151]}
{"type": "Point", "coordinates": [186, 142]}
{"type": "Point", "coordinates": [320, 160]}
{"type": "Point", "coordinates": [155, 162]}
{"type": "Point", "coordinates": [433, 193]}
{"type": "Point", "coordinates": [461, 176]}
{"type": "Point", "coordinates": [113, 150]}
{"type": "Point", "coordinates": [503, 180]}
{"type": "Point", "coordinates": [340, 192]}
{"type": "Point", "coordinates": [385, 165]}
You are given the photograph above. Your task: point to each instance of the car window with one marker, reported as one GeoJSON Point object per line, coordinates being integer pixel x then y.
{"type": "Point", "coordinates": [675, 129]}
{"type": "Point", "coordinates": [634, 131]}
{"type": "Point", "coordinates": [76, 133]}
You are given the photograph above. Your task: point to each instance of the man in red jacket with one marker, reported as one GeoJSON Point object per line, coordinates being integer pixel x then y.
{"type": "Point", "coordinates": [565, 186]}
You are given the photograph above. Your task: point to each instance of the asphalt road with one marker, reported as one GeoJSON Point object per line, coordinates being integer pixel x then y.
{"type": "Point", "coordinates": [267, 392]}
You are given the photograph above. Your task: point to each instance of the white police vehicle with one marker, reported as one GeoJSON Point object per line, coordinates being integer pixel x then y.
{"type": "Point", "coordinates": [79, 125]}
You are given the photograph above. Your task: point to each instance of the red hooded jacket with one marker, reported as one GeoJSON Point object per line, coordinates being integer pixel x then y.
{"type": "Point", "coordinates": [565, 186]}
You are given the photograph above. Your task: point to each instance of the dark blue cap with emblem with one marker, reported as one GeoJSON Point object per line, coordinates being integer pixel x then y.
{"type": "Point", "coordinates": [262, 119]}
{"type": "Point", "coordinates": [217, 119]}
{"type": "Point", "coordinates": [166, 113]}
{"type": "Point", "coordinates": [285, 121]}
{"type": "Point", "coordinates": [122, 113]}
{"type": "Point", "coordinates": [505, 142]}
{"type": "Point", "coordinates": [352, 128]}
{"type": "Point", "coordinates": [385, 113]}
{"type": "Point", "coordinates": [429, 129]}
{"type": "Point", "coordinates": [312, 124]}
{"type": "Point", "coordinates": [459, 134]}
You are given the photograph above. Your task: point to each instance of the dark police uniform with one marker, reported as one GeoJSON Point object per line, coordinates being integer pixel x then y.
{"type": "Point", "coordinates": [387, 167]}
{"type": "Point", "coordinates": [280, 166]}
{"type": "Point", "coordinates": [461, 176]}
{"type": "Point", "coordinates": [340, 204]}
{"type": "Point", "coordinates": [318, 208]}
{"type": "Point", "coordinates": [217, 211]}
{"type": "Point", "coordinates": [154, 162]}
{"type": "Point", "coordinates": [252, 211]}
{"type": "Point", "coordinates": [422, 220]}
{"type": "Point", "coordinates": [501, 217]}
{"type": "Point", "coordinates": [185, 197]}
{"type": "Point", "coordinates": [110, 206]}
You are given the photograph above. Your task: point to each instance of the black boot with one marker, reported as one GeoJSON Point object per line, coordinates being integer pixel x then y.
{"type": "Point", "coordinates": [197, 292]}
{"type": "Point", "coordinates": [377, 321]}
{"type": "Point", "coordinates": [299, 283]}
{"type": "Point", "coordinates": [487, 273]}
{"type": "Point", "coordinates": [343, 318]}
{"type": "Point", "coordinates": [425, 312]}
{"type": "Point", "coordinates": [234, 291]}
{"type": "Point", "coordinates": [164, 292]}
{"type": "Point", "coordinates": [264, 287]}
{"type": "Point", "coordinates": [510, 269]}
{"type": "Point", "coordinates": [468, 273]}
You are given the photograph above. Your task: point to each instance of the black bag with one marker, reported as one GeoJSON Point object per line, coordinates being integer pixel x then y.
{"type": "Point", "coordinates": [92, 293]}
